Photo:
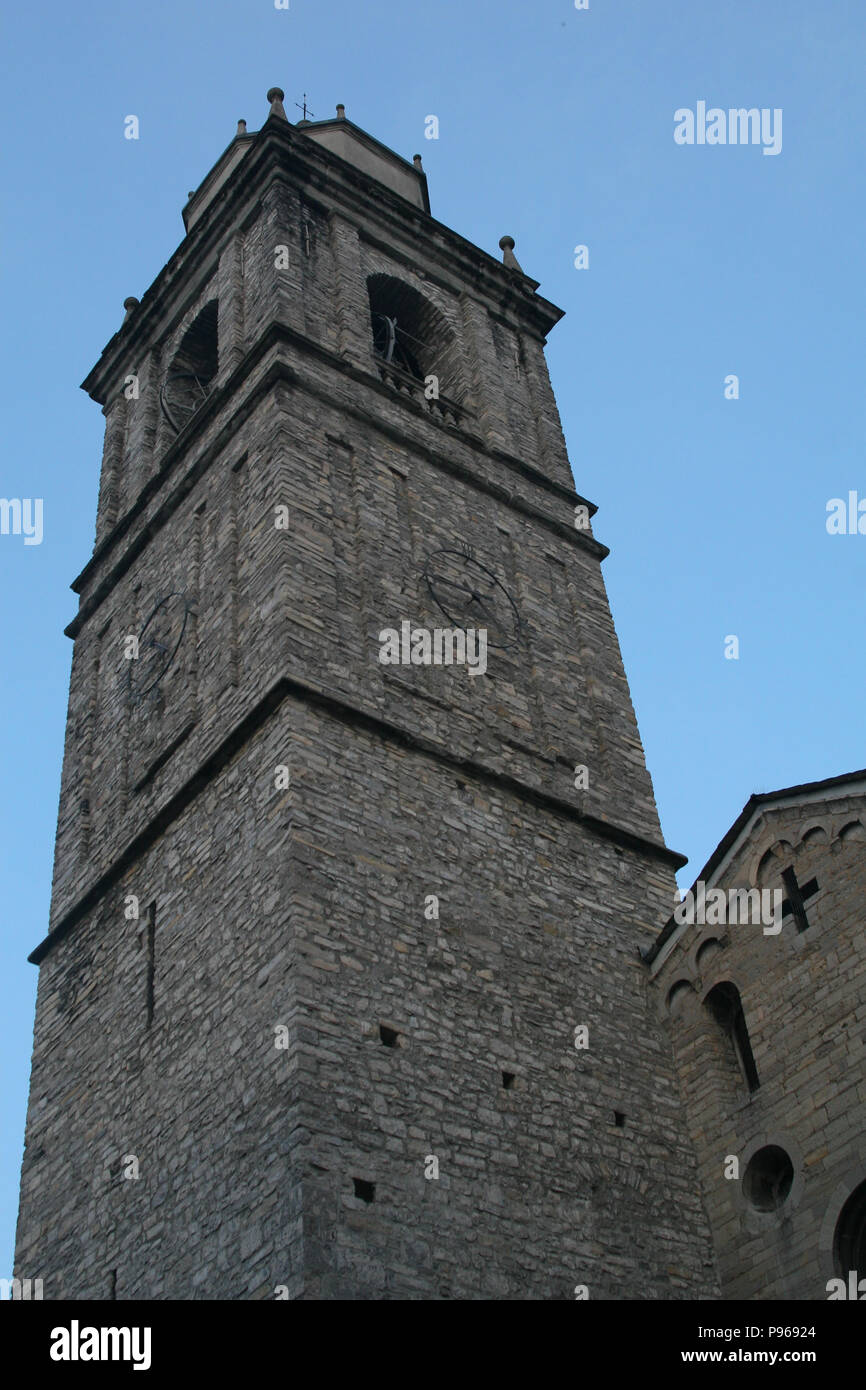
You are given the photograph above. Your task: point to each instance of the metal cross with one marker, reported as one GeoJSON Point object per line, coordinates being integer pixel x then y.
{"type": "Point", "coordinates": [796, 900]}
{"type": "Point", "coordinates": [304, 107]}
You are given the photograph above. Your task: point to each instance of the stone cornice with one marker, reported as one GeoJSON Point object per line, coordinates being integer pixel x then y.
{"type": "Point", "coordinates": [219, 398]}
{"type": "Point", "coordinates": [291, 688]}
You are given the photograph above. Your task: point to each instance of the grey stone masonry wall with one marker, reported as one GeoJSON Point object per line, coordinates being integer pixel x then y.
{"type": "Point", "coordinates": [304, 909]}
{"type": "Point", "coordinates": [199, 1096]}
{"type": "Point", "coordinates": [224, 947]}
{"type": "Point", "coordinates": [803, 996]}
{"type": "Point", "coordinates": [538, 1189]}
{"type": "Point", "coordinates": [312, 599]}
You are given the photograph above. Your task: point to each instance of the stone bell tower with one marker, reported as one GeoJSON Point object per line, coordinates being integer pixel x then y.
{"type": "Point", "coordinates": [341, 996]}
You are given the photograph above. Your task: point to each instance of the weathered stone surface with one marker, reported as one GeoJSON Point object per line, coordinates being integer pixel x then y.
{"type": "Point", "coordinates": [802, 994]}
{"type": "Point", "coordinates": [294, 914]}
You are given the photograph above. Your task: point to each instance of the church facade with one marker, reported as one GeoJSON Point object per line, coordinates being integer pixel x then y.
{"type": "Point", "coordinates": [767, 1017]}
{"type": "Point", "coordinates": [342, 993]}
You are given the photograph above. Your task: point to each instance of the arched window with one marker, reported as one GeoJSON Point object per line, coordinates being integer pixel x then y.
{"type": "Point", "coordinates": [725, 1006]}
{"type": "Point", "coordinates": [770, 867]}
{"type": "Point", "coordinates": [677, 996]}
{"type": "Point", "coordinates": [849, 1240]}
{"type": "Point", "coordinates": [707, 951]}
{"type": "Point", "coordinates": [412, 339]}
{"type": "Point", "coordinates": [192, 370]}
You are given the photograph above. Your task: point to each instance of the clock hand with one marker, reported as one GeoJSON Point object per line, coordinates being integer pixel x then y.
{"type": "Point", "coordinates": [452, 583]}
{"type": "Point", "coordinates": [479, 599]}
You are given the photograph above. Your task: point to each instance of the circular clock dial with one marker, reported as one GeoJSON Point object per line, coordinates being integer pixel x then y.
{"type": "Point", "coordinates": [471, 595]}
{"type": "Point", "coordinates": [180, 396]}
{"type": "Point", "coordinates": [158, 642]}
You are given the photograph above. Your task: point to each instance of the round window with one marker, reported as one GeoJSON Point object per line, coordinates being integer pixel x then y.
{"type": "Point", "coordinates": [768, 1178]}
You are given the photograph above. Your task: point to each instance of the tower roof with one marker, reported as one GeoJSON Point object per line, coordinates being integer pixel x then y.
{"type": "Point", "coordinates": [338, 135]}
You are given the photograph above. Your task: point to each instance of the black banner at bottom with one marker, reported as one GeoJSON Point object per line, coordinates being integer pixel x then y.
{"type": "Point", "coordinates": [159, 1339]}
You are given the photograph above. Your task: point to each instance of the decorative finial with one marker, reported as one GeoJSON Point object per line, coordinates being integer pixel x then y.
{"type": "Point", "coordinates": [190, 193]}
{"type": "Point", "coordinates": [275, 97]}
{"type": "Point", "coordinates": [242, 128]}
{"type": "Point", "coordinates": [341, 111]}
{"type": "Point", "coordinates": [416, 160]}
{"type": "Point", "coordinates": [129, 304]}
{"type": "Point", "coordinates": [506, 246]}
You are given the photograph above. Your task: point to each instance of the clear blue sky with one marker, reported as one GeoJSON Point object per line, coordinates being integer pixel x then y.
{"type": "Point", "coordinates": [556, 126]}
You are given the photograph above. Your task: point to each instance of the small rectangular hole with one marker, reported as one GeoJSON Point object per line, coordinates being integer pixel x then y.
{"type": "Point", "coordinates": [388, 1036]}
{"type": "Point", "coordinates": [365, 1190]}
{"type": "Point", "coordinates": [508, 1079]}
{"type": "Point", "coordinates": [619, 1119]}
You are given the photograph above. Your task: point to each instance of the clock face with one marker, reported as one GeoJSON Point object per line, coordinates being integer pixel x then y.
{"type": "Point", "coordinates": [471, 595]}
{"type": "Point", "coordinates": [180, 396]}
{"type": "Point", "coordinates": [158, 643]}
